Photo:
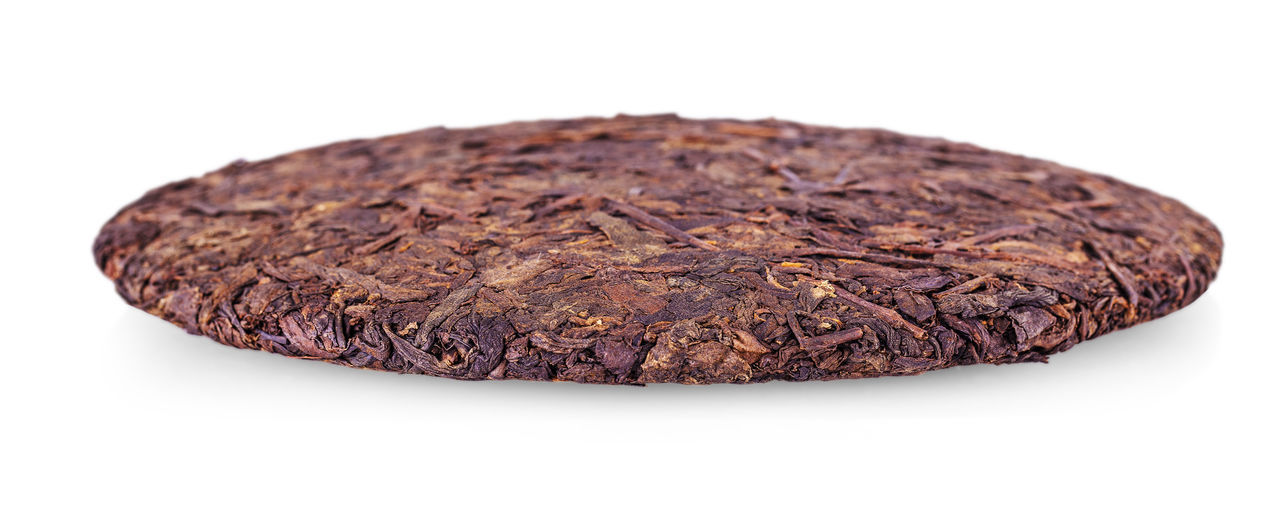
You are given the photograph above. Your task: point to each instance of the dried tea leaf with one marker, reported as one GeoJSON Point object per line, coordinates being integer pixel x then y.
{"type": "Point", "coordinates": [656, 249]}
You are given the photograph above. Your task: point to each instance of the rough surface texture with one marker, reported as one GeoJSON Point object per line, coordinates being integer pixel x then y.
{"type": "Point", "coordinates": [656, 249]}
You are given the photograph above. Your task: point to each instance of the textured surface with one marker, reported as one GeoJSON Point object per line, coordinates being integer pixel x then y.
{"type": "Point", "coordinates": [656, 249]}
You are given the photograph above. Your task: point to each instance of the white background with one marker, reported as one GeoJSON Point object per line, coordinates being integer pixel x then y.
{"type": "Point", "coordinates": [105, 407]}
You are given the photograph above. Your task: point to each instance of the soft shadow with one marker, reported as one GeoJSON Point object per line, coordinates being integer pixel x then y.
{"type": "Point", "coordinates": [1154, 357]}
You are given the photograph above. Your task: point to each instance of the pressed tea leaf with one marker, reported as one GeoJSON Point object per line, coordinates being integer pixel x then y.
{"type": "Point", "coordinates": [656, 249]}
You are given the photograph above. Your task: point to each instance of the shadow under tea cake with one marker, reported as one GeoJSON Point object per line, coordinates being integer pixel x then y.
{"type": "Point", "coordinates": [656, 249]}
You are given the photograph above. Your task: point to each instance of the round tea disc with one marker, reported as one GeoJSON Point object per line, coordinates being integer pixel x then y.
{"type": "Point", "coordinates": [656, 249]}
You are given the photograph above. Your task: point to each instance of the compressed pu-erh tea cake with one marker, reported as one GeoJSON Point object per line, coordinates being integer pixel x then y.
{"type": "Point", "coordinates": [656, 249]}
